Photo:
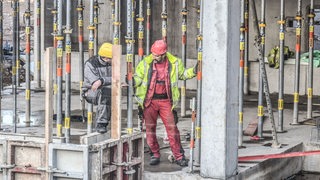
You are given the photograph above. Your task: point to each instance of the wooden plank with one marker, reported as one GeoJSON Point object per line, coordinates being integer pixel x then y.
{"type": "Point", "coordinates": [116, 93]}
{"type": "Point", "coordinates": [48, 104]}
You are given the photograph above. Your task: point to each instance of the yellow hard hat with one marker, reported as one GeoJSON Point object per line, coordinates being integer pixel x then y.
{"type": "Point", "coordinates": [105, 50]}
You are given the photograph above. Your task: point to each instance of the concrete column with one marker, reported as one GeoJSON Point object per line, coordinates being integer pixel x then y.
{"type": "Point", "coordinates": [219, 113]}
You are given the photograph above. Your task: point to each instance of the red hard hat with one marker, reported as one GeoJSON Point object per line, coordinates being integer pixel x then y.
{"type": "Point", "coordinates": [159, 47]}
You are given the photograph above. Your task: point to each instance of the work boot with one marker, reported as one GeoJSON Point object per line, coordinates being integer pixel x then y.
{"type": "Point", "coordinates": [101, 128]}
{"type": "Point", "coordinates": [182, 162]}
{"type": "Point", "coordinates": [154, 161]}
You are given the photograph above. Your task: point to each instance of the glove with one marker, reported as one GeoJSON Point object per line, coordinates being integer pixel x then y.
{"type": "Point", "coordinates": [195, 68]}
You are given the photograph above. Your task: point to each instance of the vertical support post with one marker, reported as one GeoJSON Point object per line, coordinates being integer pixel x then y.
{"type": "Point", "coordinates": [37, 41]}
{"type": "Point", "coordinates": [27, 51]}
{"type": "Point", "coordinates": [197, 154]}
{"type": "Point", "coordinates": [18, 46]}
{"type": "Point", "coordinates": [164, 16]}
{"type": "Point", "coordinates": [281, 67]}
{"type": "Point", "coordinates": [148, 24]}
{"type": "Point", "coordinates": [241, 73]}
{"type": "Point", "coordinates": [297, 67]}
{"type": "Point", "coordinates": [262, 26]}
{"type": "Point", "coordinates": [116, 93]}
{"type": "Point", "coordinates": [59, 38]}
{"type": "Point", "coordinates": [48, 104]}
{"type": "Point", "coordinates": [14, 70]}
{"type": "Point", "coordinates": [67, 111]}
{"type": "Point", "coordinates": [54, 13]}
{"type": "Point", "coordinates": [218, 86]}
{"type": "Point", "coordinates": [1, 58]}
{"type": "Point", "coordinates": [310, 65]}
{"type": "Point", "coordinates": [193, 118]}
{"type": "Point", "coordinates": [184, 13]}
{"type": "Point", "coordinates": [246, 50]}
{"type": "Point", "coordinates": [140, 20]}
{"type": "Point", "coordinates": [91, 53]}
{"type": "Point", "coordinates": [81, 55]}
{"type": "Point", "coordinates": [129, 57]}
{"type": "Point", "coordinates": [116, 23]}
{"type": "Point", "coordinates": [96, 24]}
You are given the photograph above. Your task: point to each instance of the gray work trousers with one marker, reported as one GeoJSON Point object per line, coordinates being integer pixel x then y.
{"type": "Point", "coordinates": [103, 113]}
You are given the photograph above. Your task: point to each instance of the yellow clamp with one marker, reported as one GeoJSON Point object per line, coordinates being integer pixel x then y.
{"type": "Point", "coordinates": [242, 29]}
{"type": "Point", "coordinates": [198, 10]}
{"type": "Point", "coordinates": [91, 27]}
{"type": "Point", "coordinates": [54, 12]}
{"type": "Point", "coordinates": [262, 25]}
{"type": "Point", "coordinates": [281, 22]}
{"type": "Point", "coordinates": [298, 17]}
{"type": "Point", "coordinates": [164, 16]}
{"type": "Point", "coordinates": [117, 23]}
{"type": "Point", "coordinates": [311, 15]}
{"type": "Point", "coordinates": [140, 19]}
{"type": "Point", "coordinates": [130, 41]}
{"type": "Point", "coordinates": [59, 38]}
{"type": "Point", "coordinates": [79, 9]}
{"type": "Point", "coordinates": [112, 3]}
{"type": "Point", "coordinates": [27, 14]}
{"type": "Point", "coordinates": [184, 12]}
{"type": "Point", "coordinates": [199, 37]}
{"type": "Point", "coordinates": [96, 6]}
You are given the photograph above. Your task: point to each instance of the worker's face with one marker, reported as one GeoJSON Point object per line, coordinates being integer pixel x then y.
{"type": "Point", "coordinates": [159, 58]}
{"type": "Point", "coordinates": [106, 59]}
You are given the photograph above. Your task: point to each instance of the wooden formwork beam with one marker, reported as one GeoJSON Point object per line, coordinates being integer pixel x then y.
{"type": "Point", "coordinates": [116, 93]}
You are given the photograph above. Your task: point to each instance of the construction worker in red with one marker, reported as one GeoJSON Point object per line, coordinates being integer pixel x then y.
{"type": "Point", "coordinates": [156, 82]}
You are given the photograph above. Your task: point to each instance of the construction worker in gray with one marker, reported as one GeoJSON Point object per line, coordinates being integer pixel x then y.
{"type": "Point", "coordinates": [97, 85]}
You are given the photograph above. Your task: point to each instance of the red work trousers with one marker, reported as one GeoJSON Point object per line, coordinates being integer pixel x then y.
{"type": "Point", "coordinates": [162, 108]}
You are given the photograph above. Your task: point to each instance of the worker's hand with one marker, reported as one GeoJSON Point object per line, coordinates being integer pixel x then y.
{"type": "Point", "coordinates": [96, 85]}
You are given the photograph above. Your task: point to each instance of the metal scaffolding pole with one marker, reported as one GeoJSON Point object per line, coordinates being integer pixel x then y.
{"type": "Point", "coordinates": [164, 16]}
{"type": "Point", "coordinates": [193, 118]}
{"type": "Point", "coordinates": [297, 66]}
{"type": "Point", "coordinates": [197, 151]}
{"type": "Point", "coordinates": [37, 40]}
{"type": "Point", "coordinates": [91, 53]}
{"type": "Point", "coordinates": [14, 72]}
{"type": "Point", "coordinates": [54, 13]}
{"type": "Point", "coordinates": [1, 58]}
{"type": "Point", "coordinates": [116, 23]}
{"type": "Point", "coordinates": [140, 20]}
{"type": "Point", "coordinates": [59, 38]}
{"type": "Point", "coordinates": [310, 65]}
{"type": "Point", "coordinates": [18, 45]}
{"type": "Point", "coordinates": [148, 24]}
{"type": "Point", "coordinates": [96, 24]}
{"type": "Point", "coordinates": [184, 13]}
{"type": "Point", "coordinates": [246, 50]}
{"type": "Point", "coordinates": [130, 44]}
{"type": "Point", "coordinates": [27, 15]}
{"type": "Point", "coordinates": [241, 72]}
{"type": "Point", "coordinates": [260, 94]}
{"type": "Point", "coordinates": [68, 32]}
{"type": "Point", "coordinates": [281, 67]}
{"type": "Point", "coordinates": [81, 55]}
{"type": "Point", "coordinates": [113, 11]}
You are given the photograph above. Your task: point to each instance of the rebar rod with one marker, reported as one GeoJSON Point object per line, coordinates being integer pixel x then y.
{"type": "Point", "coordinates": [59, 38]}
{"type": "Point", "coordinates": [260, 93]}
{"type": "Point", "coordinates": [310, 65]}
{"type": "Point", "coordinates": [281, 67]}
{"type": "Point", "coordinates": [184, 13]}
{"type": "Point", "coordinates": [81, 56]}
{"type": "Point", "coordinates": [27, 15]}
{"type": "Point", "coordinates": [297, 66]}
{"type": "Point", "coordinates": [241, 72]}
{"type": "Point", "coordinates": [246, 50]}
{"type": "Point", "coordinates": [37, 40]}
{"type": "Point", "coordinates": [148, 25]}
{"type": "Point", "coordinates": [14, 72]}
{"type": "Point", "coordinates": [129, 58]}
{"type": "Point", "coordinates": [116, 23]}
{"type": "Point", "coordinates": [164, 16]}
{"type": "Point", "coordinates": [197, 154]}
{"type": "Point", "coordinates": [67, 111]}
{"type": "Point", "coordinates": [91, 53]}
